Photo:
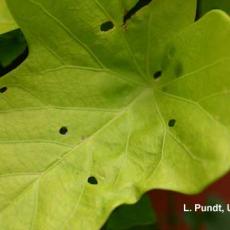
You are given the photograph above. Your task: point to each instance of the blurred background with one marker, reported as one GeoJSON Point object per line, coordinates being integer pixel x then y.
{"type": "Point", "coordinates": [169, 212]}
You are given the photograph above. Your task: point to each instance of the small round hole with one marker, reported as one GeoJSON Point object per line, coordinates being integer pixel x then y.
{"type": "Point", "coordinates": [63, 130]}
{"type": "Point", "coordinates": [3, 89]}
{"type": "Point", "coordinates": [106, 26]}
{"type": "Point", "coordinates": [157, 74]}
{"type": "Point", "coordinates": [171, 122]}
{"type": "Point", "coordinates": [92, 180]}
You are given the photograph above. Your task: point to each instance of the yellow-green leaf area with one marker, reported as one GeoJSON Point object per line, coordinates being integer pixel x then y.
{"type": "Point", "coordinates": [95, 117]}
{"type": "Point", "coordinates": [7, 23]}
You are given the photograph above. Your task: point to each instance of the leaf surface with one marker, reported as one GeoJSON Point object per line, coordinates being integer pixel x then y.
{"type": "Point", "coordinates": [7, 23]}
{"type": "Point", "coordinates": [84, 125]}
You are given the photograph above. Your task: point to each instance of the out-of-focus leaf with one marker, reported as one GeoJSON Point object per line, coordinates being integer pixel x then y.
{"type": "Point", "coordinates": [127, 217]}
{"type": "Point", "coordinates": [216, 220]}
{"type": "Point", "coordinates": [204, 6]}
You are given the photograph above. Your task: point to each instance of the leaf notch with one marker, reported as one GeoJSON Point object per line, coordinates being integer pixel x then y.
{"type": "Point", "coordinates": [15, 63]}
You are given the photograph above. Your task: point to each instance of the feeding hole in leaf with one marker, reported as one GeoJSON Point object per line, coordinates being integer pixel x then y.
{"type": "Point", "coordinates": [63, 130]}
{"type": "Point", "coordinates": [140, 4]}
{"type": "Point", "coordinates": [106, 26]}
{"type": "Point", "coordinates": [92, 180]}
{"type": "Point", "coordinates": [157, 74]}
{"type": "Point", "coordinates": [172, 123]}
{"type": "Point", "coordinates": [3, 89]}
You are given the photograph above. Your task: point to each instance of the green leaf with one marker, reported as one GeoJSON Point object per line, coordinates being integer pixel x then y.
{"type": "Point", "coordinates": [130, 217]}
{"type": "Point", "coordinates": [206, 5]}
{"type": "Point", "coordinates": [7, 23]}
{"type": "Point", "coordinates": [84, 125]}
